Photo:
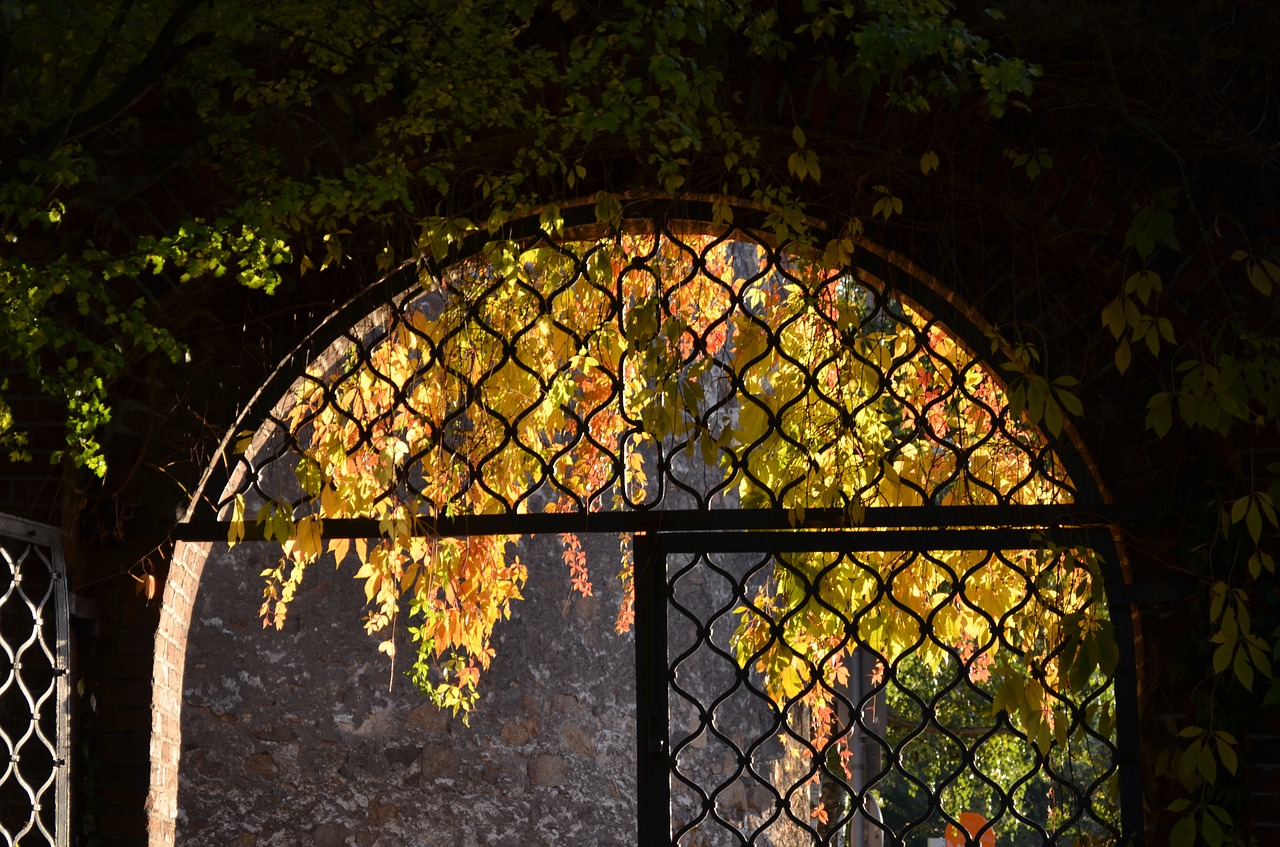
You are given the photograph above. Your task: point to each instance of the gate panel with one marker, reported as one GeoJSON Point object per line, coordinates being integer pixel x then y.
{"type": "Point", "coordinates": [35, 808]}
{"type": "Point", "coordinates": [798, 689]}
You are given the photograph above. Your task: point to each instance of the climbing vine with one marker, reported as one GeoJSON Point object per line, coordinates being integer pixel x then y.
{"type": "Point", "coordinates": [553, 378]}
{"type": "Point", "coordinates": [1223, 385]}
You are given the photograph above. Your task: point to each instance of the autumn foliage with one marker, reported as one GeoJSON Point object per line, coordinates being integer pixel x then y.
{"type": "Point", "coordinates": [644, 371]}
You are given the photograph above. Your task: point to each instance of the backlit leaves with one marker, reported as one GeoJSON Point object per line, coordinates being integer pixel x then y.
{"type": "Point", "coordinates": [547, 377]}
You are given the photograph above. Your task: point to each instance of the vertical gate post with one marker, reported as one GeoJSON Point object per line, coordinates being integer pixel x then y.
{"type": "Point", "coordinates": [653, 786]}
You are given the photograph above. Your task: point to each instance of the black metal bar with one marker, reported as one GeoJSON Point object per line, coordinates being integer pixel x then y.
{"type": "Point", "coordinates": [696, 520]}
{"type": "Point", "coordinates": [1125, 682]}
{"type": "Point", "coordinates": [653, 767]}
{"type": "Point", "coordinates": [875, 540]}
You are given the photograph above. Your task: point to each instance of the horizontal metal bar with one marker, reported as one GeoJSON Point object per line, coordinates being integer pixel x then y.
{"type": "Point", "coordinates": [721, 520]}
{"type": "Point", "coordinates": [866, 540]}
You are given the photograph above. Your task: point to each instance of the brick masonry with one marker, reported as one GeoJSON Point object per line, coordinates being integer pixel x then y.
{"type": "Point", "coordinates": [180, 589]}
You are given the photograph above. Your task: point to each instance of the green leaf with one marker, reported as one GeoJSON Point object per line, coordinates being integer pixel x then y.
{"type": "Point", "coordinates": [1238, 509]}
{"type": "Point", "coordinates": [796, 165]}
{"type": "Point", "coordinates": [1113, 317]}
{"type": "Point", "coordinates": [1219, 593]}
{"type": "Point", "coordinates": [1154, 225]}
{"type": "Point", "coordinates": [1243, 671]}
{"type": "Point", "coordinates": [1124, 355]}
{"type": "Point", "coordinates": [815, 169]}
{"type": "Point", "coordinates": [928, 162]}
{"type": "Point", "coordinates": [1143, 284]}
{"type": "Point", "coordinates": [1268, 507]}
{"type": "Point", "coordinates": [1208, 765]}
{"type": "Point", "coordinates": [1273, 694]}
{"type": "Point", "coordinates": [1160, 413]}
{"type": "Point", "coordinates": [1183, 833]}
{"type": "Point", "coordinates": [1053, 417]}
{"type": "Point", "coordinates": [1211, 830]}
{"type": "Point", "coordinates": [1070, 402]}
{"type": "Point", "coordinates": [1253, 521]}
{"type": "Point", "coordinates": [1227, 754]}
{"type": "Point", "coordinates": [1222, 658]}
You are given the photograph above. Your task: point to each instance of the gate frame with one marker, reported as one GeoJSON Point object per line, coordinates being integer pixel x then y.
{"type": "Point", "coordinates": [653, 759]}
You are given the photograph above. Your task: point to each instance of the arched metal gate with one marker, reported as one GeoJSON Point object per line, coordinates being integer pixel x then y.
{"type": "Point", "coordinates": [872, 601]}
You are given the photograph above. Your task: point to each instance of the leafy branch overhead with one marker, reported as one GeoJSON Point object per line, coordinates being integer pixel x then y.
{"type": "Point", "coordinates": [249, 92]}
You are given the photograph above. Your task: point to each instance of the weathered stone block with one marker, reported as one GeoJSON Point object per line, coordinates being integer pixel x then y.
{"type": "Point", "coordinates": [548, 770]}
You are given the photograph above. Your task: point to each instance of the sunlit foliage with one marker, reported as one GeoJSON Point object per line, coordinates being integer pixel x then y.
{"type": "Point", "coordinates": [642, 371]}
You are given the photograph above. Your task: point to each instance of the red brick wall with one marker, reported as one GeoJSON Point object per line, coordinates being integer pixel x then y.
{"type": "Point", "coordinates": [166, 707]}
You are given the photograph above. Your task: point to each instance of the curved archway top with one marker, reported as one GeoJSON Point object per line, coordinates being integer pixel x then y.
{"type": "Point", "coordinates": [675, 367]}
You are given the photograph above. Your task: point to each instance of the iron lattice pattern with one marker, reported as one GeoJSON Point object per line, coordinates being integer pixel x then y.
{"type": "Point", "coordinates": [876, 697]}
{"type": "Point", "coordinates": [33, 696]}
{"type": "Point", "coordinates": [652, 371]}
{"type": "Point", "coordinates": [662, 375]}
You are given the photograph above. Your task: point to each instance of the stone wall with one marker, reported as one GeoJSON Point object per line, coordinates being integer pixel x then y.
{"type": "Point", "coordinates": [308, 737]}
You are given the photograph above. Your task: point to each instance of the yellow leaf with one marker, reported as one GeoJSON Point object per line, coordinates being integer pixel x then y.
{"type": "Point", "coordinates": [235, 529]}
{"type": "Point", "coordinates": [243, 442]}
{"type": "Point", "coordinates": [310, 535]}
{"type": "Point", "coordinates": [330, 504]}
{"type": "Point", "coordinates": [339, 547]}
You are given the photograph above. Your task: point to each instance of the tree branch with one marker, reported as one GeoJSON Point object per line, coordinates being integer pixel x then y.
{"type": "Point", "coordinates": [96, 63]}
{"type": "Point", "coordinates": [5, 47]}
{"type": "Point", "coordinates": [162, 58]}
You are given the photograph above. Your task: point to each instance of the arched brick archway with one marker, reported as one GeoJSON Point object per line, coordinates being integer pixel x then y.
{"type": "Point", "coordinates": [191, 555]}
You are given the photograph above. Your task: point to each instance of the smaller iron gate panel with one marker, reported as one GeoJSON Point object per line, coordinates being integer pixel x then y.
{"type": "Point", "coordinates": [35, 808]}
{"type": "Point", "coordinates": [774, 706]}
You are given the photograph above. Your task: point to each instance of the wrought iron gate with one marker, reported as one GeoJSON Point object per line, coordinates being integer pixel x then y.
{"type": "Point", "coordinates": [34, 650]}
{"type": "Point", "coordinates": [678, 379]}
{"type": "Point", "coordinates": [723, 759]}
